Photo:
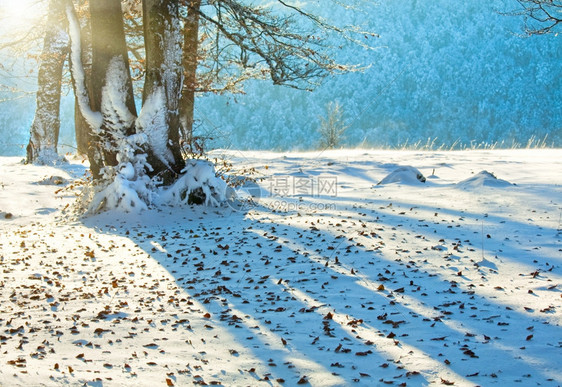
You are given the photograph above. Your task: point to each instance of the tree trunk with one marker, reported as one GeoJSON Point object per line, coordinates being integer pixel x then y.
{"type": "Point", "coordinates": [159, 119]}
{"type": "Point", "coordinates": [42, 147]}
{"type": "Point", "coordinates": [189, 60]}
{"type": "Point", "coordinates": [81, 127]}
{"type": "Point", "coordinates": [110, 95]}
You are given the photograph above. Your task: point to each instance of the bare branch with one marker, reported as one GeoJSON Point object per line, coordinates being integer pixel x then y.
{"type": "Point", "coordinates": [541, 16]}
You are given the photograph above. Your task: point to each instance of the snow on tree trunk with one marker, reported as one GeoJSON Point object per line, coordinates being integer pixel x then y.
{"type": "Point", "coordinates": [124, 185]}
{"type": "Point", "coordinates": [127, 186]}
{"type": "Point", "coordinates": [92, 118]}
{"type": "Point", "coordinates": [152, 122]}
{"type": "Point", "coordinates": [163, 40]}
{"type": "Point", "coordinates": [108, 124]}
{"type": "Point", "coordinates": [118, 119]}
{"type": "Point", "coordinates": [108, 42]}
{"type": "Point", "coordinates": [42, 147]}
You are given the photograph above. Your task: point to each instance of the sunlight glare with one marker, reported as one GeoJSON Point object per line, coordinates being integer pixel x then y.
{"type": "Point", "coordinates": [20, 13]}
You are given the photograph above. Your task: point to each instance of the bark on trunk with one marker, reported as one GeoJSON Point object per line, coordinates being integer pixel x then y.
{"type": "Point", "coordinates": [108, 45]}
{"type": "Point", "coordinates": [189, 60]}
{"type": "Point", "coordinates": [82, 129]}
{"type": "Point", "coordinates": [42, 147]}
{"type": "Point", "coordinates": [162, 35]}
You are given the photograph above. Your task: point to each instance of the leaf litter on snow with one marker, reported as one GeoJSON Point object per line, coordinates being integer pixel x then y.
{"type": "Point", "coordinates": [402, 284]}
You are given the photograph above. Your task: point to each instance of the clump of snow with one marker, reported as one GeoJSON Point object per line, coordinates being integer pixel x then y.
{"type": "Point", "coordinates": [483, 179]}
{"type": "Point", "coordinates": [128, 188]}
{"type": "Point", "coordinates": [48, 156]}
{"type": "Point", "coordinates": [404, 175]}
{"type": "Point", "coordinates": [125, 187]}
{"type": "Point", "coordinates": [197, 174]}
{"type": "Point", "coordinates": [121, 194]}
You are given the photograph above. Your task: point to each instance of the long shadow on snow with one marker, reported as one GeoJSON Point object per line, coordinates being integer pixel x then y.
{"type": "Point", "coordinates": [468, 225]}
{"type": "Point", "coordinates": [250, 305]}
{"type": "Point", "coordinates": [257, 274]}
{"type": "Point", "coordinates": [448, 300]}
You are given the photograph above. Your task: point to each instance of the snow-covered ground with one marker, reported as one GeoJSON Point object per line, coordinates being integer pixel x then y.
{"type": "Point", "coordinates": [327, 278]}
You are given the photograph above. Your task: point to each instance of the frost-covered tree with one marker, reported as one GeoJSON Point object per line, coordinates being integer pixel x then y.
{"type": "Point", "coordinates": [42, 146]}
{"type": "Point", "coordinates": [542, 16]}
{"type": "Point", "coordinates": [187, 47]}
{"type": "Point", "coordinates": [332, 127]}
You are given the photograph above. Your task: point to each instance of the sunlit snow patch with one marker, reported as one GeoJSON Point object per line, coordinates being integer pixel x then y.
{"type": "Point", "coordinates": [483, 179]}
{"type": "Point", "coordinates": [404, 175]}
{"type": "Point", "coordinates": [245, 196]}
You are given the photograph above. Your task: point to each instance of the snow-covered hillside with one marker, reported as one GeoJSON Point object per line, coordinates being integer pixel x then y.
{"type": "Point", "coordinates": [456, 73]}
{"type": "Point", "coordinates": [328, 278]}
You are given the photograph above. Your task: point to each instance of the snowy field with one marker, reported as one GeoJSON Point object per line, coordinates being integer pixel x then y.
{"type": "Point", "coordinates": [326, 278]}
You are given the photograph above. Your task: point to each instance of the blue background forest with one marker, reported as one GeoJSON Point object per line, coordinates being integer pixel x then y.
{"type": "Point", "coordinates": [452, 73]}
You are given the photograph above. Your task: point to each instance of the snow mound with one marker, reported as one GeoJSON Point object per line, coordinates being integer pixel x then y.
{"type": "Point", "coordinates": [199, 177]}
{"type": "Point", "coordinates": [125, 187]}
{"type": "Point", "coordinates": [122, 194]}
{"type": "Point", "coordinates": [483, 179]}
{"type": "Point", "coordinates": [131, 190]}
{"type": "Point", "coordinates": [404, 175]}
